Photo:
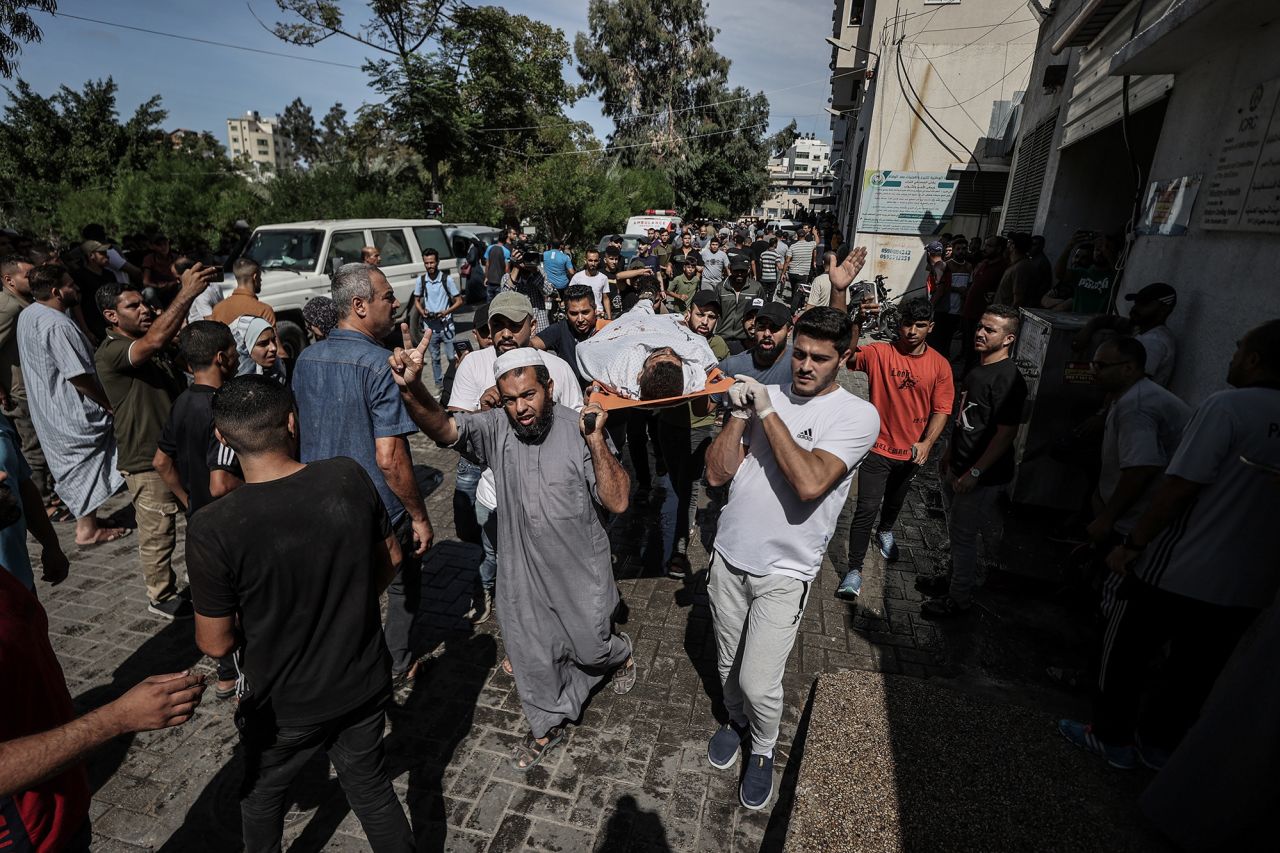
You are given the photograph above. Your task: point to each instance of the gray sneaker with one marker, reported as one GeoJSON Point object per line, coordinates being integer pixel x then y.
{"type": "Point", "coordinates": [173, 608]}
{"type": "Point", "coordinates": [482, 608]}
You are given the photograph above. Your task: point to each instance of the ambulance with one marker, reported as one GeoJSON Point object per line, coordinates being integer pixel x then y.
{"type": "Point", "coordinates": [661, 220]}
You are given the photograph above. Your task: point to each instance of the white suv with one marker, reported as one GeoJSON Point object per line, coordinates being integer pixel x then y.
{"type": "Point", "coordinates": [298, 258]}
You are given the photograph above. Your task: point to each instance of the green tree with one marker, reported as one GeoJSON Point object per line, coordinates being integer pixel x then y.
{"type": "Point", "coordinates": [17, 28]}
{"type": "Point", "coordinates": [410, 73]}
{"type": "Point", "coordinates": [666, 88]}
{"type": "Point", "coordinates": [462, 87]}
{"type": "Point", "coordinates": [69, 141]}
{"type": "Point", "coordinates": [298, 128]}
{"type": "Point", "coordinates": [334, 134]}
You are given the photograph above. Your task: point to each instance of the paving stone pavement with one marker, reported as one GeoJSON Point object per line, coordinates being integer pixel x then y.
{"type": "Point", "coordinates": [632, 777]}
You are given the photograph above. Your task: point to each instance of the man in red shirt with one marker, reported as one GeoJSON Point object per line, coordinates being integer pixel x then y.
{"type": "Point", "coordinates": [44, 791]}
{"type": "Point", "coordinates": [912, 388]}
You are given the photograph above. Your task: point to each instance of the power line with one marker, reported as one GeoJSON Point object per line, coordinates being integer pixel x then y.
{"type": "Point", "coordinates": [943, 81]}
{"type": "Point", "coordinates": [992, 29]}
{"type": "Point", "coordinates": [975, 27]}
{"type": "Point", "coordinates": [206, 41]}
{"type": "Point", "coordinates": [611, 148]}
{"type": "Point", "coordinates": [903, 90]}
{"type": "Point", "coordinates": [1009, 74]}
{"type": "Point", "coordinates": [685, 109]}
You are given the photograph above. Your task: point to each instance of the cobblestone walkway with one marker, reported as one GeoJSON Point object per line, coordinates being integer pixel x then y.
{"type": "Point", "coordinates": [632, 776]}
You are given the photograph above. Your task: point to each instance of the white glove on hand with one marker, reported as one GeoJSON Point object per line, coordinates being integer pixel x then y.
{"type": "Point", "coordinates": [737, 395]}
{"type": "Point", "coordinates": [752, 394]}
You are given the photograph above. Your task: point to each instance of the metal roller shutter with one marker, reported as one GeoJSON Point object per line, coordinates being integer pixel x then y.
{"type": "Point", "coordinates": [1028, 177]}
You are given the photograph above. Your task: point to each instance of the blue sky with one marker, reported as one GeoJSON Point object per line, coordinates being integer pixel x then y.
{"type": "Point", "coordinates": [774, 48]}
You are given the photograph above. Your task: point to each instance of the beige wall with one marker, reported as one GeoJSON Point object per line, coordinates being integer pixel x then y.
{"type": "Point", "coordinates": [962, 59]}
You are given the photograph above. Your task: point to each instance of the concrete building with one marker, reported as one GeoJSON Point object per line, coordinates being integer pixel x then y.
{"type": "Point", "coordinates": [1182, 95]}
{"type": "Point", "coordinates": [924, 103]}
{"type": "Point", "coordinates": [259, 139]}
{"type": "Point", "coordinates": [799, 181]}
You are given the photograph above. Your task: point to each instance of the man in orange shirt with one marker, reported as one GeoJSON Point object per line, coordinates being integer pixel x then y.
{"type": "Point", "coordinates": [912, 388]}
{"type": "Point", "coordinates": [244, 299]}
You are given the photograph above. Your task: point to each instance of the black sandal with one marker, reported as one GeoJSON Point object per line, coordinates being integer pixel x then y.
{"type": "Point", "coordinates": [530, 753]}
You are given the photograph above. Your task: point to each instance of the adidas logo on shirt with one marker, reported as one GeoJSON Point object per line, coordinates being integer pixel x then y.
{"type": "Point", "coordinates": [807, 435]}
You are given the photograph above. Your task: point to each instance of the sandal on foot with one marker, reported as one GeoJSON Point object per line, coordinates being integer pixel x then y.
{"type": "Point", "coordinates": [60, 514]}
{"type": "Point", "coordinates": [529, 753]}
{"type": "Point", "coordinates": [506, 667]}
{"type": "Point", "coordinates": [105, 535]}
{"type": "Point", "coordinates": [624, 677]}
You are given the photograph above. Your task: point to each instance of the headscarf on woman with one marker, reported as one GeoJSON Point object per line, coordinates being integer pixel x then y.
{"type": "Point", "coordinates": [246, 330]}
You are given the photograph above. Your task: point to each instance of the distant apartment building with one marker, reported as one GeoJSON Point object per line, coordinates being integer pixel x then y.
{"type": "Point", "coordinates": [259, 139]}
{"type": "Point", "coordinates": [799, 181]}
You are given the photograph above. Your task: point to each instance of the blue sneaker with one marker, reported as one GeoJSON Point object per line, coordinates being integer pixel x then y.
{"type": "Point", "coordinates": [851, 586]}
{"type": "Point", "coordinates": [757, 782]}
{"type": "Point", "coordinates": [888, 545]}
{"type": "Point", "coordinates": [724, 746]}
{"type": "Point", "coordinates": [1081, 734]}
{"type": "Point", "coordinates": [1153, 757]}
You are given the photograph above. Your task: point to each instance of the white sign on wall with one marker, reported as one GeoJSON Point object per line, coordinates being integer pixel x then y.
{"type": "Point", "coordinates": [1243, 191]}
{"type": "Point", "coordinates": [905, 202]}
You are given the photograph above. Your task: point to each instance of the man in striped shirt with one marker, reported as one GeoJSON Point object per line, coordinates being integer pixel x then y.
{"type": "Point", "coordinates": [799, 265]}
{"type": "Point", "coordinates": [770, 262]}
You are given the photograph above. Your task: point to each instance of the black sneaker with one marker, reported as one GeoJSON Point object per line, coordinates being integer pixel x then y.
{"type": "Point", "coordinates": [938, 583]}
{"type": "Point", "coordinates": [678, 566]}
{"type": "Point", "coordinates": [173, 608]}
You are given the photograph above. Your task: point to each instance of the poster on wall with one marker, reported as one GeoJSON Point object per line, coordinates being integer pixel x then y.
{"type": "Point", "coordinates": [1167, 208]}
{"type": "Point", "coordinates": [905, 202]}
{"type": "Point", "coordinates": [1243, 191]}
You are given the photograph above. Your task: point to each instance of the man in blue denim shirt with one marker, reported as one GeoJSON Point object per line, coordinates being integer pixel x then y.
{"type": "Point", "coordinates": [348, 405]}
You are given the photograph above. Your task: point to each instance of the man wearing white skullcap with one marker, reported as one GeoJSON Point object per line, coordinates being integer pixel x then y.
{"type": "Point", "coordinates": [511, 325]}
{"type": "Point", "coordinates": [556, 478]}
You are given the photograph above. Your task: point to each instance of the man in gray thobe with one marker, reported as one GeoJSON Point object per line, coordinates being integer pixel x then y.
{"type": "Point", "coordinates": [556, 477]}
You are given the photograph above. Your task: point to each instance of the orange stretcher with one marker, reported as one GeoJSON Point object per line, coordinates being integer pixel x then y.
{"type": "Point", "coordinates": [717, 383]}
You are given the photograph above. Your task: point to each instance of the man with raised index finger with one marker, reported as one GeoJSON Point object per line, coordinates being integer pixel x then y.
{"type": "Point", "coordinates": [556, 478]}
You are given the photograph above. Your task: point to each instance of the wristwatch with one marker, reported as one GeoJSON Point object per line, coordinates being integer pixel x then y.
{"type": "Point", "coordinates": [975, 473]}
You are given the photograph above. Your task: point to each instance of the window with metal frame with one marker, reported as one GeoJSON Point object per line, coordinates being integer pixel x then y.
{"type": "Point", "coordinates": [393, 247]}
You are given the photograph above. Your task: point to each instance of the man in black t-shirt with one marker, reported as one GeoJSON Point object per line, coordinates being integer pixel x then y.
{"type": "Point", "coordinates": [978, 462]}
{"type": "Point", "coordinates": [195, 466]}
{"type": "Point", "coordinates": [580, 322]}
{"type": "Point", "coordinates": [305, 585]}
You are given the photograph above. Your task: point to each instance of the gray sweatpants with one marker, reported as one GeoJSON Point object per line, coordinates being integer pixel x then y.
{"type": "Point", "coordinates": [756, 618]}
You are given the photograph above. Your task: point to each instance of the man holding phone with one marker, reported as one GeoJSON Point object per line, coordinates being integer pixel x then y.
{"type": "Point", "coordinates": [436, 298]}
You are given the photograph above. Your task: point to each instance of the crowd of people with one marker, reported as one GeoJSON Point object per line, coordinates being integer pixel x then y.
{"type": "Point", "coordinates": [149, 383]}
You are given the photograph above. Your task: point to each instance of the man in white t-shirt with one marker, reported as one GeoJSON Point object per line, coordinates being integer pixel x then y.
{"type": "Point", "coordinates": [594, 279]}
{"type": "Point", "coordinates": [790, 451]}
{"type": "Point", "coordinates": [1143, 429]}
{"type": "Point", "coordinates": [1196, 564]}
{"type": "Point", "coordinates": [474, 388]}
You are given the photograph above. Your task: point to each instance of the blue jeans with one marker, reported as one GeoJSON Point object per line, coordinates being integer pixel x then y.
{"type": "Point", "coordinates": [466, 480]}
{"type": "Point", "coordinates": [491, 290]}
{"type": "Point", "coordinates": [441, 339]}
{"type": "Point", "coordinates": [488, 538]}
